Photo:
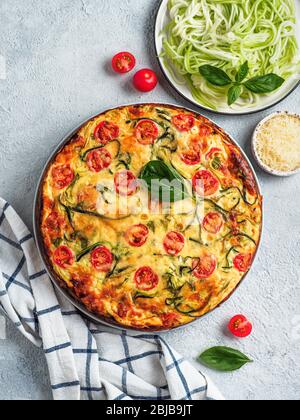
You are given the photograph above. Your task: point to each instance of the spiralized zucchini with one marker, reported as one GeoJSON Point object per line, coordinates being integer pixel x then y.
{"type": "Point", "coordinates": [225, 34]}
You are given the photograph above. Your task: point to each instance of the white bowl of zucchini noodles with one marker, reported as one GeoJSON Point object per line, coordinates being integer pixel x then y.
{"type": "Point", "coordinates": [230, 56]}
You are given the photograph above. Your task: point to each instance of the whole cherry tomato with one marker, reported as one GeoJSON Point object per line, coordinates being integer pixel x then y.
{"type": "Point", "coordinates": [145, 80]}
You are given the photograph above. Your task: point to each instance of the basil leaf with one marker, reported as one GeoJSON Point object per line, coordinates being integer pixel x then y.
{"type": "Point", "coordinates": [264, 84]}
{"type": "Point", "coordinates": [215, 76]}
{"type": "Point", "coordinates": [224, 359]}
{"type": "Point", "coordinates": [234, 93]}
{"type": "Point", "coordinates": [242, 73]}
{"type": "Point", "coordinates": [164, 182]}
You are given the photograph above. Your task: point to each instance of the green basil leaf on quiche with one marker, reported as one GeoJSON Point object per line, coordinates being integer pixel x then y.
{"type": "Point", "coordinates": [164, 183]}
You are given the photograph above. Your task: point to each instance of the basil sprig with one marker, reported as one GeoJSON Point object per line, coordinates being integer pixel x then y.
{"type": "Point", "coordinates": [164, 183]}
{"type": "Point", "coordinates": [259, 85]}
{"type": "Point", "coordinates": [224, 359]}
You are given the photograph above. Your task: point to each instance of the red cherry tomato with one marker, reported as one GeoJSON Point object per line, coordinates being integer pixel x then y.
{"type": "Point", "coordinates": [146, 132]}
{"type": "Point", "coordinates": [137, 235]}
{"type": "Point", "coordinates": [99, 159]}
{"type": "Point", "coordinates": [213, 223]}
{"type": "Point", "coordinates": [123, 309]}
{"type": "Point", "coordinates": [170, 319]}
{"type": "Point", "coordinates": [126, 183]}
{"type": "Point", "coordinates": [174, 243]}
{"type": "Point", "coordinates": [106, 132]}
{"type": "Point", "coordinates": [205, 266]}
{"type": "Point", "coordinates": [212, 152]}
{"type": "Point", "coordinates": [242, 262]}
{"type": "Point", "coordinates": [123, 62]}
{"type": "Point", "coordinates": [183, 122]}
{"type": "Point", "coordinates": [145, 80]}
{"type": "Point", "coordinates": [204, 130]}
{"type": "Point", "coordinates": [62, 176]}
{"type": "Point", "coordinates": [191, 157]}
{"type": "Point", "coordinates": [102, 259]}
{"type": "Point", "coordinates": [240, 327]}
{"type": "Point", "coordinates": [54, 223]}
{"type": "Point", "coordinates": [63, 257]}
{"type": "Point", "coordinates": [145, 279]}
{"type": "Point", "coordinates": [136, 111]}
{"type": "Point", "coordinates": [205, 183]}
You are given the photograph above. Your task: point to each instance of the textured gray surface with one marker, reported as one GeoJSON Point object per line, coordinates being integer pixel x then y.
{"type": "Point", "coordinates": [57, 75]}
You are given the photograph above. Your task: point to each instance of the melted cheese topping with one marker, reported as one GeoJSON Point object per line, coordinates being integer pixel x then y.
{"type": "Point", "coordinates": [84, 214]}
{"type": "Point", "coordinates": [278, 143]}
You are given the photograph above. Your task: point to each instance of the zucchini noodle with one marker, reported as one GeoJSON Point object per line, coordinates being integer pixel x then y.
{"type": "Point", "coordinates": [225, 34]}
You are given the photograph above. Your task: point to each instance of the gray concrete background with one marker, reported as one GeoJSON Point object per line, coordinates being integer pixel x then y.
{"type": "Point", "coordinates": [57, 75]}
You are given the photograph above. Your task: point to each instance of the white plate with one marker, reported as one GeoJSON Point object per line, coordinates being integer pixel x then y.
{"type": "Point", "coordinates": [267, 102]}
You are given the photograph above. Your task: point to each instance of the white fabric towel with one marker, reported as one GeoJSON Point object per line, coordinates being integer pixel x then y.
{"type": "Point", "coordinates": [86, 361]}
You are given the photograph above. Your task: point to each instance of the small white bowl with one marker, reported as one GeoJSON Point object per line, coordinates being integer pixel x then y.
{"type": "Point", "coordinates": [255, 142]}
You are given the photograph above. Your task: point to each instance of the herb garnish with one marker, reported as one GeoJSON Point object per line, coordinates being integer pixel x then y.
{"type": "Point", "coordinates": [224, 359]}
{"type": "Point", "coordinates": [259, 84]}
{"type": "Point", "coordinates": [164, 183]}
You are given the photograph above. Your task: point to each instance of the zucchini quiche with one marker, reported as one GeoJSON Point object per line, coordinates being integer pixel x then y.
{"type": "Point", "coordinates": [150, 216]}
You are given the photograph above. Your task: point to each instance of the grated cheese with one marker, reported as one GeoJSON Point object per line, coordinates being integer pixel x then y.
{"type": "Point", "coordinates": [278, 143]}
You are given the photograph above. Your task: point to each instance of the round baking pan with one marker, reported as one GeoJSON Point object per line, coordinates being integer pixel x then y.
{"type": "Point", "coordinates": [38, 203]}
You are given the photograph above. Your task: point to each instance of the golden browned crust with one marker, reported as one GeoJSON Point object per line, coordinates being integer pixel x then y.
{"type": "Point", "coordinates": [70, 217]}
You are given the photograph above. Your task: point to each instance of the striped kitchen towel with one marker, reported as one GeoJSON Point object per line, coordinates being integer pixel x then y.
{"type": "Point", "coordinates": [86, 361]}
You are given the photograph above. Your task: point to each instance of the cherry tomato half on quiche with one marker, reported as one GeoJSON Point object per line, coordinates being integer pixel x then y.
{"type": "Point", "coordinates": [174, 243]}
{"type": "Point", "coordinates": [205, 183]}
{"type": "Point", "coordinates": [123, 62]}
{"type": "Point", "coordinates": [242, 262]}
{"type": "Point", "coordinates": [99, 159]}
{"type": "Point", "coordinates": [106, 132]}
{"type": "Point", "coordinates": [126, 183]}
{"type": "Point", "coordinates": [204, 130]}
{"type": "Point", "coordinates": [54, 223]}
{"type": "Point", "coordinates": [183, 122]}
{"type": "Point", "coordinates": [204, 267]}
{"type": "Point", "coordinates": [62, 176]}
{"type": "Point", "coordinates": [136, 111]}
{"type": "Point", "coordinates": [63, 257]}
{"type": "Point", "coordinates": [145, 80]}
{"type": "Point", "coordinates": [240, 327]}
{"type": "Point", "coordinates": [146, 132]}
{"type": "Point", "coordinates": [191, 157]}
{"type": "Point", "coordinates": [212, 152]}
{"type": "Point", "coordinates": [102, 259]}
{"type": "Point", "coordinates": [213, 223]}
{"type": "Point", "coordinates": [169, 319]}
{"type": "Point", "coordinates": [137, 235]}
{"type": "Point", "coordinates": [123, 309]}
{"type": "Point", "coordinates": [145, 279]}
